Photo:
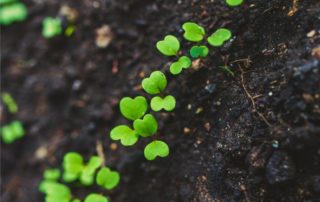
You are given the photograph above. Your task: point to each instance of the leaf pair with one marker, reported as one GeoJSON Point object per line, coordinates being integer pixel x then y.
{"type": "Point", "coordinates": [219, 37]}
{"type": "Point", "coordinates": [12, 12]}
{"type": "Point", "coordinates": [51, 27]}
{"type": "Point", "coordinates": [107, 178]}
{"type": "Point", "coordinates": [193, 32]}
{"type": "Point", "coordinates": [169, 46]}
{"type": "Point", "coordinates": [234, 2]}
{"type": "Point", "coordinates": [199, 51]}
{"type": "Point", "coordinates": [167, 103]}
{"type": "Point", "coordinates": [12, 132]}
{"type": "Point", "coordinates": [156, 148]}
{"type": "Point", "coordinates": [155, 83]}
{"type": "Point", "coordinates": [95, 198]}
{"type": "Point", "coordinates": [183, 62]}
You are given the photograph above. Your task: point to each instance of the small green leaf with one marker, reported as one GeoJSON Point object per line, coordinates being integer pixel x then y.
{"type": "Point", "coordinates": [95, 198]}
{"type": "Point", "coordinates": [168, 103]}
{"type": "Point", "coordinates": [169, 46]}
{"type": "Point", "coordinates": [199, 51]}
{"type": "Point", "coordinates": [50, 198]}
{"type": "Point", "coordinates": [58, 190]}
{"type": "Point", "coordinates": [193, 32]}
{"type": "Point", "coordinates": [107, 178]}
{"type": "Point", "coordinates": [52, 174]}
{"type": "Point", "coordinates": [219, 37]}
{"type": "Point", "coordinates": [126, 135]}
{"type": "Point", "coordinates": [87, 174]}
{"type": "Point", "coordinates": [10, 103]}
{"type": "Point", "coordinates": [72, 165]}
{"type": "Point", "coordinates": [133, 108]}
{"type": "Point", "coordinates": [155, 84]}
{"type": "Point", "coordinates": [184, 62]}
{"type": "Point", "coordinates": [14, 12]}
{"type": "Point", "coordinates": [156, 148]}
{"type": "Point", "coordinates": [147, 126]}
{"type": "Point", "coordinates": [234, 2]}
{"type": "Point", "coordinates": [51, 27]}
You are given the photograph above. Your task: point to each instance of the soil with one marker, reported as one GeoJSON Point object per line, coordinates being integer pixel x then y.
{"type": "Point", "coordinates": [251, 137]}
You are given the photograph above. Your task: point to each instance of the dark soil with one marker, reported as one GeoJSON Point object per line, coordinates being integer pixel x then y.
{"type": "Point", "coordinates": [252, 137]}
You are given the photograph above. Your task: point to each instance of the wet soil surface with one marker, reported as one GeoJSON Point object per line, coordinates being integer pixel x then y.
{"type": "Point", "coordinates": [251, 137]}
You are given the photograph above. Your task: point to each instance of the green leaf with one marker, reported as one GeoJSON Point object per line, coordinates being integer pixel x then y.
{"type": "Point", "coordinates": [168, 103]}
{"type": "Point", "coordinates": [12, 132]}
{"type": "Point", "coordinates": [95, 198]}
{"type": "Point", "coordinates": [10, 13]}
{"type": "Point", "coordinates": [58, 190]}
{"type": "Point", "coordinates": [107, 178]}
{"type": "Point", "coordinates": [57, 199]}
{"type": "Point", "coordinates": [133, 108]}
{"type": "Point", "coordinates": [10, 103]}
{"type": "Point", "coordinates": [51, 27]}
{"type": "Point", "coordinates": [72, 165]}
{"type": "Point", "coordinates": [87, 174]}
{"type": "Point", "coordinates": [219, 37]}
{"type": "Point", "coordinates": [70, 177]}
{"type": "Point", "coordinates": [156, 148]}
{"type": "Point", "coordinates": [184, 62]}
{"type": "Point", "coordinates": [193, 31]}
{"type": "Point", "coordinates": [126, 135]}
{"type": "Point", "coordinates": [169, 46]}
{"type": "Point", "coordinates": [155, 84]}
{"type": "Point", "coordinates": [52, 174]}
{"type": "Point", "coordinates": [147, 126]}
{"type": "Point", "coordinates": [234, 2]}
{"type": "Point", "coordinates": [199, 51]}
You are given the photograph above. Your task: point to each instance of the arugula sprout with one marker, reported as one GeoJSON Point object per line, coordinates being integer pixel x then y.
{"type": "Point", "coordinates": [50, 176]}
{"type": "Point", "coordinates": [12, 132]}
{"type": "Point", "coordinates": [147, 126]}
{"type": "Point", "coordinates": [125, 134]}
{"type": "Point", "coordinates": [133, 109]}
{"type": "Point", "coordinates": [107, 178]}
{"type": "Point", "coordinates": [56, 192]}
{"type": "Point", "coordinates": [184, 62]}
{"type": "Point", "coordinates": [219, 37]}
{"type": "Point", "coordinates": [169, 46]}
{"type": "Point", "coordinates": [193, 32]}
{"type": "Point", "coordinates": [51, 27]}
{"type": "Point", "coordinates": [95, 198]}
{"type": "Point", "coordinates": [9, 102]}
{"type": "Point", "coordinates": [155, 84]}
{"type": "Point", "coordinates": [234, 2]}
{"type": "Point", "coordinates": [72, 165]}
{"type": "Point", "coordinates": [156, 148]}
{"type": "Point", "coordinates": [12, 12]}
{"type": "Point", "coordinates": [199, 51]}
{"type": "Point", "coordinates": [87, 174]}
{"type": "Point", "coordinates": [167, 103]}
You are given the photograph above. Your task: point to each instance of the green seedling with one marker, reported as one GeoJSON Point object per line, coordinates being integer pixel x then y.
{"type": "Point", "coordinates": [184, 62]}
{"type": "Point", "coordinates": [156, 148]}
{"type": "Point", "coordinates": [193, 32]}
{"type": "Point", "coordinates": [13, 12]}
{"type": "Point", "coordinates": [168, 103]}
{"type": "Point", "coordinates": [12, 132]}
{"type": "Point", "coordinates": [199, 51]}
{"type": "Point", "coordinates": [147, 126]}
{"type": "Point", "coordinates": [73, 165]}
{"type": "Point", "coordinates": [234, 2]}
{"type": "Point", "coordinates": [50, 176]}
{"type": "Point", "coordinates": [95, 198]}
{"type": "Point", "coordinates": [126, 135]}
{"type": "Point", "coordinates": [76, 200]}
{"type": "Point", "coordinates": [2, 2]}
{"type": "Point", "coordinates": [219, 37]}
{"type": "Point", "coordinates": [227, 70]}
{"type": "Point", "coordinates": [155, 84]}
{"type": "Point", "coordinates": [51, 27]}
{"type": "Point", "coordinates": [107, 178]}
{"type": "Point", "coordinates": [87, 174]}
{"type": "Point", "coordinates": [169, 46]}
{"type": "Point", "coordinates": [56, 192]}
{"type": "Point", "coordinates": [9, 102]}
{"type": "Point", "coordinates": [133, 109]}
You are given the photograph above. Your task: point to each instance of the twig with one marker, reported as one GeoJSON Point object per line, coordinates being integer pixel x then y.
{"type": "Point", "coordinates": [100, 152]}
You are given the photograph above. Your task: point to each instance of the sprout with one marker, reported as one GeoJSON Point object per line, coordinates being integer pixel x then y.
{"type": "Point", "coordinates": [199, 51]}
{"type": "Point", "coordinates": [13, 12]}
{"type": "Point", "coordinates": [51, 27]}
{"type": "Point", "coordinates": [87, 174]}
{"type": "Point", "coordinates": [183, 63]}
{"type": "Point", "coordinates": [193, 32]}
{"type": "Point", "coordinates": [219, 37]}
{"type": "Point", "coordinates": [56, 192]}
{"type": "Point", "coordinates": [95, 198]}
{"type": "Point", "coordinates": [234, 2]}
{"type": "Point", "coordinates": [9, 102]}
{"type": "Point", "coordinates": [107, 178]}
{"type": "Point", "coordinates": [72, 165]}
{"type": "Point", "coordinates": [12, 132]}
{"type": "Point", "coordinates": [50, 176]}
{"type": "Point", "coordinates": [168, 103]}
{"type": "Point", "coordinates": [147, 126]}
{"type": "Point", "coordinates": [126, 135]}
{"type": "Point", "coordinates": [169, 46]}
{"type": "Point", "coordinates": [133, 108]}
{"type": "Point", "coordinates": [156, 148]}
{"type": "Point", "coordinates": [155, 84]}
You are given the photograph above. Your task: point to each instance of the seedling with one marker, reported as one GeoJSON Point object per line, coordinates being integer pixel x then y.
{"type": "Point", "coordinates": [95, 198]}
{"type": "Point", "coordinates": [87, 174]}
{"type": "Point", "coordinates": [50, 176]}
{"type": "Point", "coordinates": [125, 134]}
{"type": "Point", "coordinates": [147, 126]}
{"type": "Point", "coordinates": [156, 148]}
{"type": "Point", "coordinates": [169, 46]}
{"type": "Point", "coordinates": [219, 37]}
{"type": "Point", "coordinates": [227, 70]}
{"type": "Point", "coordinates": [193, 32]}
{"type": "Point", "coordinates": [155, 84]}
{"type": "Point", "coordinates": [133, 109]}
{"type": "Point", "coordinates": [199, 51]}
{"type": "Point", "coordinates": [168, 103]}
{"type": "Point", "coordinates": [56, 192]}
{"type": "Point", "coordinates": [9, 102]}
{"type": "Point", "coordinates": [234, 2]}
{"type": "Point", "coordinates": [12, 12]}
{"type": "Point", "coordinates": [51, 27]}
{"type": "Point", "coordinates": [12, 132]}
{"type": "Point", "coordinates": [107, 178]}
{"type": "Point", "coordinates": [184, 62]}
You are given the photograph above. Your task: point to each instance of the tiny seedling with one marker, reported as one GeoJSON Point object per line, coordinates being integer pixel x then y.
{"type": "Point", "coordinates": [154, 84]}
{"type": "Point", "coordinates": [12, 132]}
{"type": "Point", "coordinates": [9, 102]}
{"type": "Point", "coordinates": [95, 198]}
{"type": "Point", "coordinates": [12, 12]}
{"type": "Point", "coordinates": [156, 148]}
{"type": "Point", "coordinates": [51, 27]}
{"type": "Point", "coordinates": [193, 32]}
{"type": "Point", "coordinates": [147, 126]}
{"type": "Point", "coordinates": [169, 46]}
{"type": "Point", "coordinates": [227, 70]}
{"type": "Point", "coordinates": [72, 165]}
{"type": "Point", "coordinates": [107, 178]}
{"type": "Point", "coordinates": [184, 62]}
{"type": "Point", "coordinates": [50, 176]}
{"type": "Point", "coordinates": [57, 192]}
{"type": "Point", "coordinates": [133, 109]}
{"type": "Point", "coordinates": [234, 2]}
{"type": "Point", "coordinates": [87, 174]}
{"type": "Point", "coordinates": [199, 51]}
{"type": "Point", "coordinates": [168, 103]}
{"type": "Point", "coordinates": [125, 134]}
{"type": "Point", "coordinates": [219, 37]}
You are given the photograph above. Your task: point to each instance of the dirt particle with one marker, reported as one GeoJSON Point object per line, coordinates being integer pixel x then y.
{"type": "Point", "coordinates": [113, 146]}
{"type": "Point", "coordinates": [103, 36]}
{"type": "Point", "coordinates": [316, 52]}
{"type": "Point", "coordinates": [311, 34]}
{"type": "Point", "coordinates": [186, 130]}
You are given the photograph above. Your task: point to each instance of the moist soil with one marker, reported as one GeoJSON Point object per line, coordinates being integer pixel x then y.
{"type": "Point", "coordinates": [254, 136]}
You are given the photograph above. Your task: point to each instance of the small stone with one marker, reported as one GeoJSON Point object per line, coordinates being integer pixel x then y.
{"type": "Point", "coordinates": [103, 36]}
{"type": "Point", "coordinates": [113, 146]}
{"type": "Point", "coordinates": [186, 130]}
{"type": "Point", "coordinates": [41, 152]}
{"type": "Point", "coordinates": [312, 33]}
